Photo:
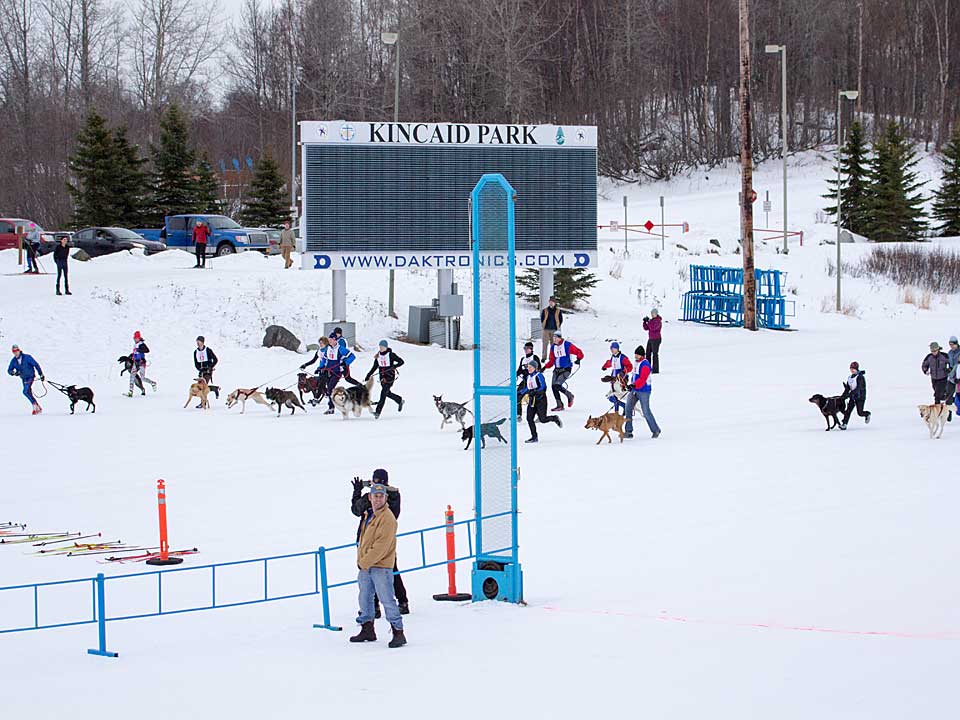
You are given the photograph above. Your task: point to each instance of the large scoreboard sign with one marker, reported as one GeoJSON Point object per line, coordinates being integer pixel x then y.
{"type": "Point", "coordinates": [395, 195]}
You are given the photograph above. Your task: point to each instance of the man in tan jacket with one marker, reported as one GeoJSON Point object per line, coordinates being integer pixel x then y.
{"type": "Point", "coordinates": [376, 555]}
{"type": "Point", "coordinates": [288, 241]}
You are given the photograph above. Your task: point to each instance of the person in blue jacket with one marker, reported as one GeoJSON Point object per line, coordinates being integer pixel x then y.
{"type": "Point", "coordinates": [536, 388]}
{"type": "Point", "coordinates": [27, 369]}
{"type": "Point", "coordinates": [346, 355]}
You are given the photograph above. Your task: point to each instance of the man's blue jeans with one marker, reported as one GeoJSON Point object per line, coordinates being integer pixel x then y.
{"type": "Point", "coordinates": [378, 581]}
{"type": "Point", "coordinates": [644, 400]}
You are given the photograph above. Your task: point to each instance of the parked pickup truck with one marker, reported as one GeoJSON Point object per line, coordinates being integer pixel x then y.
{"type": "Point", "coordinates": [227, 237]}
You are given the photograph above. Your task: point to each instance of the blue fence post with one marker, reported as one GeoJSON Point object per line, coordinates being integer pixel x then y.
{"type": "Point", "coordinates": [324, 593]}
{"type": "Point", "coordinates": [101, 620]}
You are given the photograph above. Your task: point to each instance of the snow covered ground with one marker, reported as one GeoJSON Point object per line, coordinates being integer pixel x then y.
{"type": "Point", "coordinates": [745, 564]}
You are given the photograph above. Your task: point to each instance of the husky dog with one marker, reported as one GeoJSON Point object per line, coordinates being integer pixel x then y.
{"type": "Point", "coordinates": [352, 399]}
{"type": "Point", "coordinates": [487, 430]}
{"type": "Point", "coordinates": [450, 411]}
{"type": "Point", "coordinates": [241, 395]}
{"type": "Point", "coordinates": [284, 398]}
{"type": "Point", "coordinates": [618, 389]}
{"type": "Point", "coordinates": [936, 417]}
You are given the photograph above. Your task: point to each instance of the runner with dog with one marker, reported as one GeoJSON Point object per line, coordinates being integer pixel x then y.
{"type": "Point", "coordinates": [386, 362]}
{"type": "Point", "coordinates": [561, 352]}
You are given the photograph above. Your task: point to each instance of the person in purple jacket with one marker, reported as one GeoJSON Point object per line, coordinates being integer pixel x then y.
{"type": "Point", "coordinates": [653, 325]}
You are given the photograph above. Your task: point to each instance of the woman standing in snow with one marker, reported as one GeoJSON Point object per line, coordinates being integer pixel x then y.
{"type": "Point", "coordinates": [653, 325]}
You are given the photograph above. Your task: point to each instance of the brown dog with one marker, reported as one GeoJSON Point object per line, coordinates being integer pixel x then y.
{"type": "Point", "coordinates": [606, 423]}
{"type": "Point", "coordinates": [199, 389]}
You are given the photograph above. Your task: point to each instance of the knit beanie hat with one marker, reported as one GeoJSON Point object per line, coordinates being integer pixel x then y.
{"type": "Point", "coordinates": [640, 351]}
{"type": "Point", "coordinates": [380, 476]}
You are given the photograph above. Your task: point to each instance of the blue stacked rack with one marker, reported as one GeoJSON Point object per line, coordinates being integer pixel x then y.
{"type": "Point", "coordinates": [716, 297]}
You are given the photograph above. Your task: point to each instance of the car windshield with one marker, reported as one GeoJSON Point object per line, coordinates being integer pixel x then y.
{"type": "Point", "coordinates": [218, 222]}
{"type": "Point", "coordinates": [124, 234]}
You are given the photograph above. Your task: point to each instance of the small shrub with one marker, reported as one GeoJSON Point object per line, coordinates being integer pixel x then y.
{"type": "Point", "coordinates": [907, 297]}
{"type": "Point", "coordinates": [931, 269]}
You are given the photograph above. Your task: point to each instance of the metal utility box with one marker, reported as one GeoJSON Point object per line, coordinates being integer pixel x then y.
{"type": "Point", "coordinates": [445, 333]}
{"type": "Point", "coordinates": [450, 306]}
{"type": "Point", "coordinates": [418, 324]}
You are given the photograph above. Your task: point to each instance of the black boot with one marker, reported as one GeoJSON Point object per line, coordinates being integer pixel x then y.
{"type": "Point", "coordinates": [405, 608]}
{"type": "Point", "coordinates": [366, 634]}
{"type": "Point", "coordinates": [398, 638]}
{"type": "Point", "coordinates": [376, 608]}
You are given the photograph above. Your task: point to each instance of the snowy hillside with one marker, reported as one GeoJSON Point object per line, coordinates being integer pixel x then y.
{"type": "Point", "coordinates": [744, 564]}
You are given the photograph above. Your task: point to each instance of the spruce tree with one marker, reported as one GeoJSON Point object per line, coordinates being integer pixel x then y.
{"type": "Point", "coordinates": [174, 186]}
{"type": "Point", "coordinates": [895, 211]}
{"type": "Point", "coordinates": [946, 204]}
{"type": "Point", "coordinates": [569, 285]}
{"type": "Point", "coordinates": [207, 187]}
{"type": "Point", "coordinates": [266, 204]}
{"type": "Point", "coordinates": [855, 177]}
{"type": "Point", "coordinates": [93, 166]}
{"type": "Point", "coordinates": [129, 181]}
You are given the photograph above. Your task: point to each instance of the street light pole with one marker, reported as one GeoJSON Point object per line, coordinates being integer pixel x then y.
{"type": "Point", "coordinates": [849, 95]}
{"type": "Point", "coordinates": [294, 82]}
{"type": "Point", "coordinates": [782, 51]}
{"type": "Point", "coordinates": [392, 38]}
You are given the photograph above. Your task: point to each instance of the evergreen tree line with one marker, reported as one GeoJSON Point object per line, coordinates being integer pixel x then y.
{"type": "Point", "coordinates": [115, 186]}
{"type": "Point", "coordinates": [879, 196]}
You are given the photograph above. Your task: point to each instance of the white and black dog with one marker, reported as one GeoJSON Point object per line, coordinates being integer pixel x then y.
{"type": "Point", "coordinates": [241, 395]}
{"type": "Point", "coordinates": [353, 399]}
{"type": "Point", "coordinates": [450, 411]}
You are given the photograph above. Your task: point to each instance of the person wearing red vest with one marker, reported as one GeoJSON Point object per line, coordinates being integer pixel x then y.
{"type": "Point", "coordinates": [201, 233]}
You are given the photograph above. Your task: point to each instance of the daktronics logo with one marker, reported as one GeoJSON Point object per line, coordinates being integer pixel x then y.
{"type": "Point", "coordinates": [452, 134]}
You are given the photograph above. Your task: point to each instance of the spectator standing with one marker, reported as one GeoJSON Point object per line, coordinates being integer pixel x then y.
{"type": "Point", "coordinates": [937, 365]}
{"type": "Point", "coordinates": [653, 325]}
{"type": "Point", "coordinates": [376, 557]}
{"type": "Point", "coordinates": [61, 254]}
{"type": "Point", "coordinates": [551, 321]}
{"type": "Point", "coordinates": [201, 233]}
{"type": "Point", "coordinates": [360, 504]}
{"type": "Point", "coordinates": [288, 241]}
{"type": "Point", "coordinates": [31, 244]}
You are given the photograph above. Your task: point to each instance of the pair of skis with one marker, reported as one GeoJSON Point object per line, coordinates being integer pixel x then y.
{"type": "Point", "coordinates": [36, 538]}
{"type": "Point", "coordinates": [152, 554]}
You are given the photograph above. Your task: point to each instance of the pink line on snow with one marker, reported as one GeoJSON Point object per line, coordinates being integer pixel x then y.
{"type": "Point", "coordinates": [943, 635]}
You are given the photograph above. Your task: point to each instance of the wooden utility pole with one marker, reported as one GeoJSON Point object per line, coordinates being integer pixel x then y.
{"type": "Point", "coordinates": [746, 164]}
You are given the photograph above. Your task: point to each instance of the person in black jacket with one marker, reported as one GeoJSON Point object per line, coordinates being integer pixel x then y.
{"type": "Point", "coordinates": [60, 255]}
{"type": "Point", "coordinates": [855, 393]}
{"type": "Point", "coordinates": [361, 504]}
{"type": "Point", "coordinates": [205, 360]}
{"type": "Point", "coordinates": [386, 362]}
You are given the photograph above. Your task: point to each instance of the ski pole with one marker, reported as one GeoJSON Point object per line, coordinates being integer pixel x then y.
{"type": "Point", "coordinates": [72, 539]}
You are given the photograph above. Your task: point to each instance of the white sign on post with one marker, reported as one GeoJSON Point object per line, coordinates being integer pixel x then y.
{"type": "Point", "coordinates": [614, 226]}
{"type": "Point", "coordinates": [766, 206]}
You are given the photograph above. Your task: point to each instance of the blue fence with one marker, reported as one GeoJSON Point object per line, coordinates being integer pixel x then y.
{"type": "Point", "coordinates": [716, 297]}
{"type": "Point", "coordinates": [318, 584]}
